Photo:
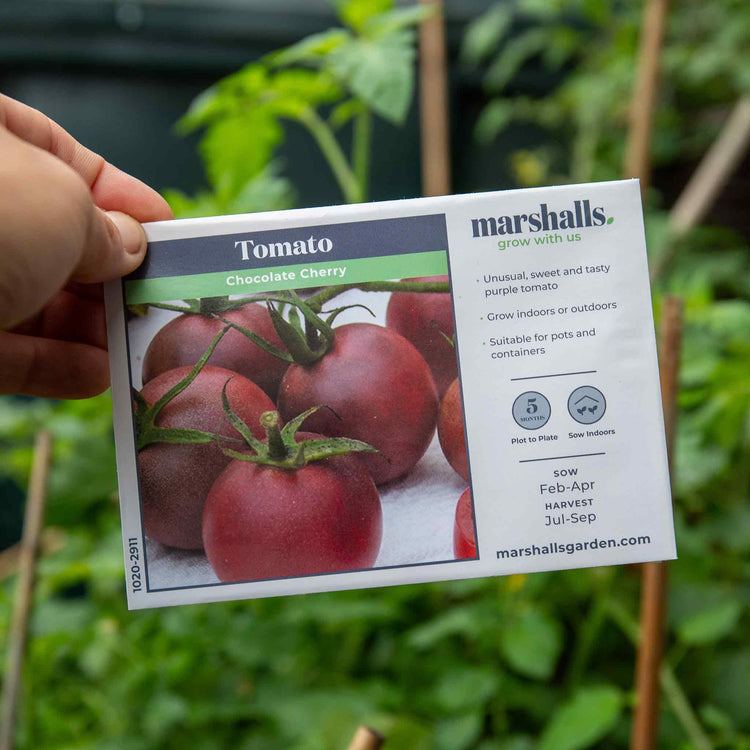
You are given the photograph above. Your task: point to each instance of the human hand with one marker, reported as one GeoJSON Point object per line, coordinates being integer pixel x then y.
{"type": "Point", "coordinates": [68, 221]}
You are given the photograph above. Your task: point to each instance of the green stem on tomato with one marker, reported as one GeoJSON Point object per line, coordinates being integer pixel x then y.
{"type": "Point", "coordinates": [269, 420]}
{"type": "Point", "coordinates": [361, 150]}
{"type": "Point", "coordinates": [333, 154]}
{"type": "Point", "coordinates": [327, 294]}
{"type": "Point", "coordinates": [670, 685]}
{"type": "Point", "coordinates": [173, 308]}
{"type": "Point", "coordinates": [210, 305]}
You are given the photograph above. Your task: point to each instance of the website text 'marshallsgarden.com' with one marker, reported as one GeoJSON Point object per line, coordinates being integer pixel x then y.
{"type": "Point", "coordinates": [570, 548]}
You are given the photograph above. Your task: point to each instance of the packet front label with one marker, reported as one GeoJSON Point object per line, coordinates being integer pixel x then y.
{"type": "Point", "coordinates": [536, 302]}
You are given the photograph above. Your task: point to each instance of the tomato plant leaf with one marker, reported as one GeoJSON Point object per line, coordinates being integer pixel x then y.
{"type": "Point", "coordinates": [397, 19]}
{"type": "Point", "coordinates": [710, 625]}
{"type": "Point", "coordinates": [484, 33]}
{"type": "Point", "coordinates": [239, 147]}
{"type": "Point", "coordinates": [356, 13]}
{"type": "Point", "coordinates": [531, 643]}
{"type": "Point", "coordinates": [515, 53]}
{"type": "Point", "coordinates": [584, 720]}
{"type": "Point", "coordinates": [311, 49]}
{"type": "Point", "coordinates": [380, 71]}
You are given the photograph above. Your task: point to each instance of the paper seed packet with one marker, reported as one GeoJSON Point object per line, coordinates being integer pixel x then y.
{"type": "Point", "coordinates": [388, 393]}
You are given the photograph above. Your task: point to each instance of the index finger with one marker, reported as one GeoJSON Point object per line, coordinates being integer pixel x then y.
{"type": "Point", "coordinates": [111, 188]}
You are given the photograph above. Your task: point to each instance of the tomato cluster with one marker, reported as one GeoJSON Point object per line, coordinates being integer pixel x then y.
{"type": "Point", "coordinates": [215, 473]}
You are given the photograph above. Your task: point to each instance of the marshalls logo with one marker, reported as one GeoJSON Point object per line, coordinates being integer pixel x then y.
{"type": "Point", "coordinates": [310, 246]}
{"type": "Point", "coordinates": [580, 215]}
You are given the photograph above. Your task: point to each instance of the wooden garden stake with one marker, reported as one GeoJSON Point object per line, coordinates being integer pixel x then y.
{"type": "Point", "coordinates": [654, 583]}
{"type": "Point", "coordinates": [715, 169]}
{"type": "Point", "coordinates": [433, 100]}
{"type": "Point", "coordinates": [32, 527]}
{"type": "Point", "coordinates": [643, 104]}
{"type": "Point", "coordinates": [709, 179]}
{"type": "Point", "coordinates": [366, 739]}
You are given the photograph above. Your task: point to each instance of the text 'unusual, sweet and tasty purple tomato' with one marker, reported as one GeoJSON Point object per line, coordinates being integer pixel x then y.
{"type": "Point", "coordinates": [184, 339]}
{"type": "Point", "coordinates": [175, 479]}
{"type": "Point", "coordinates": [426, 319]}
{"type": "Point", "coordinates": [267, 522]}
{"type": "Point", "coordinates": [379, 390]}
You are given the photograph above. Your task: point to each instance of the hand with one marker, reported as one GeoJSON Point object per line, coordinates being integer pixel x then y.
{"type": "Point", "coordinates": [68, 221]}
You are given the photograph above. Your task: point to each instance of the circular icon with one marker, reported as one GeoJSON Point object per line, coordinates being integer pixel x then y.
{"type": "Point", "coordinates": [531, 410]}
{"type": "Point", "coordinates": [587, 404]}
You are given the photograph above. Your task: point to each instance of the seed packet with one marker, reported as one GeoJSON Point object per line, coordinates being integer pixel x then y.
{"type": "Point", "coordinates": [388, 393]}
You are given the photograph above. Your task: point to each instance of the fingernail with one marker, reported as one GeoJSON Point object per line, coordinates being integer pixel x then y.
{"type": "Point", "coordinates": [131, 232]}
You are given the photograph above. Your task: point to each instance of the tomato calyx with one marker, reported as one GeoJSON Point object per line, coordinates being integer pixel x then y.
{"type": "Point", "coordinates": [148, 432]}
{"type": "Point", "coordinates": [281, 449]}
{"type": "Point", "coordinates": [306, 334]}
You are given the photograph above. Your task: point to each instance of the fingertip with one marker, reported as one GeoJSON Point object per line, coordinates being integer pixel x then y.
{"type": "Point", "coordinates": [115, 246]}
{"type": "Point", "coordinates": [131, 235]}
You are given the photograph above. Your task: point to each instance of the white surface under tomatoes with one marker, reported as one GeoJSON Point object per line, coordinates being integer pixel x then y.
{"type": "Point", "coordinates": [418, 509]}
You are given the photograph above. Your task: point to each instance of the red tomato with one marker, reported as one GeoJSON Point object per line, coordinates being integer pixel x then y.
{"type": "Point", "coordinates": [381, 391]}
{"type": "Point", "coordinates": [184, 340]}
{"type": "Point", "coordinates": [464, 543]}
{"type": "Point", "coordinates": [264, 522]}
{"type": "Point", "coordinates": [451, 430]}
{"type": "Point", "coordinates": [175, 479]}
{"type": "Point", "coordinates": [423, 318]}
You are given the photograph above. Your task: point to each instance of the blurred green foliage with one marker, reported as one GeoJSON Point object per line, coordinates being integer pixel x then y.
{"type": "Point", "coordinates": [543, 661]}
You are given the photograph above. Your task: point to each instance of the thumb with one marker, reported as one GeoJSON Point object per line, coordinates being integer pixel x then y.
{"type": "Point", "coordinates": [115, 245]}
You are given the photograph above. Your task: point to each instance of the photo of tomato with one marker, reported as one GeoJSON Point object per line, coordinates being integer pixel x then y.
{"type": "Point", "coordinates": [464, 542]}
{"type": "Point", "coordinates": [265, 521]}
{"type": "Point", "coordinates": [175, 478]}
{"type": "Point", "coordinates": [426, 319]}
{"type": "Point", "coordinates": [226, 499]}
{"type": "Point", "coordinates": [183, 340]}
{"type": "Point", "coordinates": [379, 390]}
{"type": "Point", "coordinates": [451, 430]}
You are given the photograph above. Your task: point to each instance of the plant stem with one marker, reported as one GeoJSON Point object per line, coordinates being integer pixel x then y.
{"type": "Point", "coordinates": [670, 685]}
{"type": "Point", "coordinates": [682, 709]}
{"type": "Point", "coordinates": [276, 448]}
{"type": "Point", "coordinates": [333, 154]}
{"type": "Point", "coordinates": [209, 305]}
{"type": "Point", "coordinates": [171, 308]}
{"type": "Point", "coordinates": [589, 633]}
{"type": "Point", "coordinates": [327, 294]}
{"type": "Point", "coordinates": [361, 150]}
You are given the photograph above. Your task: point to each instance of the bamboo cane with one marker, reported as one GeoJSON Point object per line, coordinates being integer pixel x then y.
{"type": "Point", "coordinates": [654, 581]}
{"type": "Point", "coordinates": [32, 528]}
{"type": "Point", "coordinates": [709, 179]}
{"type": "Point", "coordinates": [366, 739]}
{"type": "Point", "coordinates": [643, 104]}
{"type": "Point", "coordinates": [433, 95]}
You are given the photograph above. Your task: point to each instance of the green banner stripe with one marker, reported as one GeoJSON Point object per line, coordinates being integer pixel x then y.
{"type": "Point", "coordinates": [195, 286]}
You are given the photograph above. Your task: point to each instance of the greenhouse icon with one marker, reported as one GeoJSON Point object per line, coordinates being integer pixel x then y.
{"type": "Point", "coordinates": [587, 404]}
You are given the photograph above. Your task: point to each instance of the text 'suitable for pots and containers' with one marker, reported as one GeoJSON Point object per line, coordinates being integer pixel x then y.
{"type": "Point", "coordinates": [388, 393]}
